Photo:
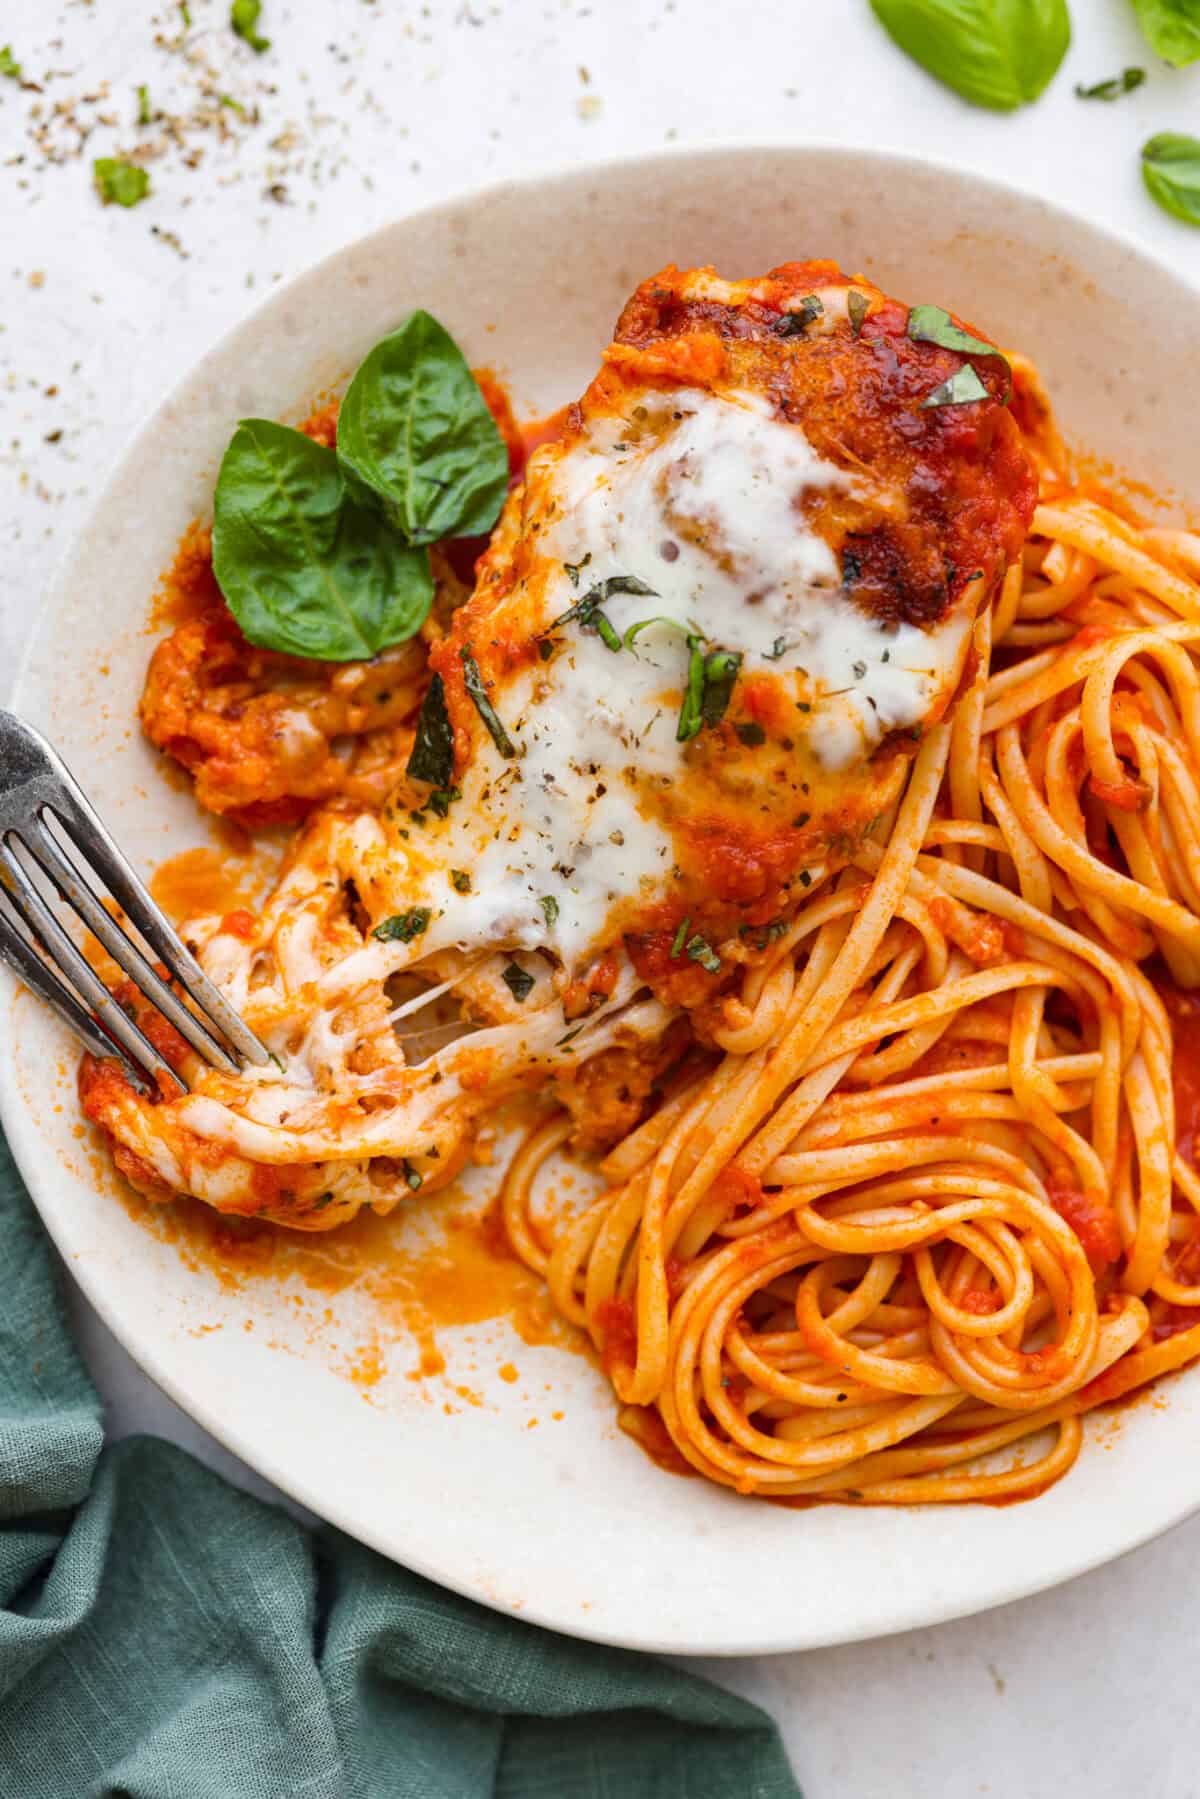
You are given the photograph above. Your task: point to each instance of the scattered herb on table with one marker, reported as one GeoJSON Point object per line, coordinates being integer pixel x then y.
{"type": "Point", "coordinates": [994, 53]}
{"type": "Point", "coordinates": [244, 16]}
{"type": "Point", "coordinates": [120, 183]}
{"type": "Point", "coordinates": [1113, 88]}
{"type": "Point", "coordinates": [1171, 172]}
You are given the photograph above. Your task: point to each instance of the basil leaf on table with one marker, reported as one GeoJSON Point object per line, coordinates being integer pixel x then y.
{"type": "Point", "coordinates": [415, 429]}
{"type": "Point", "coordinates": [1171, 28]}
{"type": "Point", "coordinates": [304, 567]}
{"type": "Point", "coordinates": [1171, 171]}
{"type": "Point", "coordinates": [995, 53]}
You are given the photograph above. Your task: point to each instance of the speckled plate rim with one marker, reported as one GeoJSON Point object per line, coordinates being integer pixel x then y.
{"type": "Point", "coordinates": [782, 1580]}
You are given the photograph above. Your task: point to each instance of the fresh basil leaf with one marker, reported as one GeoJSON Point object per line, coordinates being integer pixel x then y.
{"type": "Point", "coordinates": [1171, 28]}
{"type": "Point", "coordinates": [995, 53]}
{"type": "Point", "coordinates": [120, 183]}
{"type": "Point", "coordinates": [9, 66]}
{"type": "Point", "coordinates": [244, 16]}
{"type": "Point", "coordinates": [432, 757]}
{"type": "Point", "coordinates": [1113, 88]}
{"type": "Point", "coordinates": [415, 429]}
{"type": "Point", "coordinates": [473, 681]}
{"type": "Point", "coordinates": [963, 386]}
{"type": "Point", "coordinates": [304, 568]}
{"type": "Point", "coordinates": [643, 624]}
{"type": "Point", "coordinates": [1171, 171]}
{"type": "Point", "coordinates": [857, 306]}
{"type": "Point", "coordinates": [518, 981]}
{"type": "Point", "coordinates": [402, 927]}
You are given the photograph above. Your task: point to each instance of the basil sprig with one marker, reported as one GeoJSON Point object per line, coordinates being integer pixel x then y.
{"type": "Point", "coordinates": [322, 553]}
{"type": "Point", "coordinates": [304, 567]}
{"type": "Point", "coordinates": [995, 53]}
{"type": "Point", "coordinates": [415, 429]}
{"type": "Point", "coordinates": [710, 682]}
{"type": "Point", "coordinates": [1171, 28]}
{"type": "Point", "coordinates": [1171, 172]}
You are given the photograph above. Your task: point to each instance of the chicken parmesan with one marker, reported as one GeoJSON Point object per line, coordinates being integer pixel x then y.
{"type": "Point", "coordinates": [791, 782]}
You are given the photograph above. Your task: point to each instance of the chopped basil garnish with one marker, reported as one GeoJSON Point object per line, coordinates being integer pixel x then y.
{"type": "Point", "coordinates": [586, 607]}
{"type": "Point", "coordinates": [777, 649]}
{"type": "Point", "coordinates": [720, 672]}
{"type": "Point", "coordinates": [402, 927]}
{"type": "Point", "coordinates": [643, 624]}
{"type": "Point", "coordinates": [933, 325]}
{"type": "Point", "coordinates": [690, 716]}
{"type": "Point", "coordinates": [795, 324]}
{"type": "Point", "coordinates": [143, 100]}
{"type": "Point", "coordinates": [751, 734]}
{"type": "Point", "coordinates": [545, 648]}
{"type": "Point", "coordinates": [518, 981]}
{"type": "Point", "coordinates": [441, 799]}
{"type": "Point", "coordinates": [680, 939]}
{"type": "Point", "coordinates": [473, 681]}
{"type": "Point", "coordinates": [701, 951]}
{"type": "Point", "coordinates": [573, 568]}
{"type": "Point", "coordinates": [858, 306]}
{"type": "Point", "coordinates": [432, 757]}
{"type": "Point", "coordinates": [1113, 88]}
{"type": "Point", "coordinates": [963, 386]}
{"type": "Point", "coordinates": [411, 1177]}
{"type": "Point", "coordinates": [460, 880]}
{"type": "Point", "coordinates": [549, 906]}
{"type": "Point", "coordinates": [9, 66]}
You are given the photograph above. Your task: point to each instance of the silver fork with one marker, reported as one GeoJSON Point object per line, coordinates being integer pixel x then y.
{"type": "Point", "coordinates": [46, 823]}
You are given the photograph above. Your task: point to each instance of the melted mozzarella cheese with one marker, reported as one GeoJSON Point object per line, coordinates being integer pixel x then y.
{"type": "Point", "coordinates": [698, 496]}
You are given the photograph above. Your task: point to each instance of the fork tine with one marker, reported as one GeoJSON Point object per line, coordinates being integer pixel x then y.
{"type": "Point", "coordinates": [18, 951]}
{"type": "Point", "coordinates": [40, 921]}
{"type": "Point", "coordinates": [87, 834]}
{"type": "Point", "coordinates": [72, 883]}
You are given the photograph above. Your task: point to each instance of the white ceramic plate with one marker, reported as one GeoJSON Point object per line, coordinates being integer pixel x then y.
{"type": "Point", "coordinates": [568, 1523]}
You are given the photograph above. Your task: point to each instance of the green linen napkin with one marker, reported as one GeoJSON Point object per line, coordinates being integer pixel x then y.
{"type": "Point", "coordinates": [166, 1636]}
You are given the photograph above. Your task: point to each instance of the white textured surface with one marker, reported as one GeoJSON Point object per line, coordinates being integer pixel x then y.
{"type": "Point", "coordinates": [1077, 1692]}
